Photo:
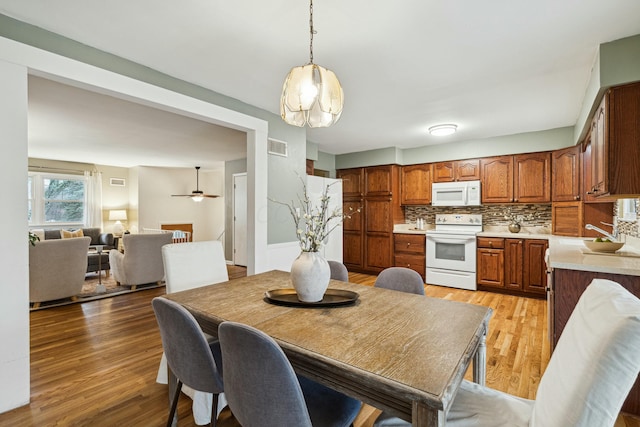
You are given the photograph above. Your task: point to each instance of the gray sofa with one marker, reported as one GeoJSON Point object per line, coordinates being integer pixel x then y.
{"type": "Point", "coordinates": [57, 269]}
{"type": "Point", "coordinates": [97, 238]}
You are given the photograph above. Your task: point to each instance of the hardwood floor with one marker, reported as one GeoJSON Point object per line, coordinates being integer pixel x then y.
{"type": "Point", "coordinates": [95, 363]}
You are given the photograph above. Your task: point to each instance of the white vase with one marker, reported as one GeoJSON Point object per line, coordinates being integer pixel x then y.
{"type": "Point", "coordinates": [310, 274]}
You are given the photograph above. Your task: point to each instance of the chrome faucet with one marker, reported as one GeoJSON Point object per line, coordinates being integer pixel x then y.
{"type": "Point", "coordinates": [613, 237]}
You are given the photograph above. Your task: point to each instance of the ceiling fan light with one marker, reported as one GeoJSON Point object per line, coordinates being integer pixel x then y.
{"type": "Point", "coordinates": [197, 198]}
{"type": "Point", "coordinates": [443, 130]}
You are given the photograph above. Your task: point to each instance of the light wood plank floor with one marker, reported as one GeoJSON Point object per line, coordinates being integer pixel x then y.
{"type": "Point", "coordinates": [95, 363]}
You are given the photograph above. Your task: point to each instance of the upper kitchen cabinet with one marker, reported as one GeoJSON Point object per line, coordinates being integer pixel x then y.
{"type": "Point", "coordinates": [532, 178]}
{"type": "Point", "coordinates": [565, 176]}
{"type": "Point", "coordinates": [415, 181]}
{"type": "Point", "coordinates": [496, 175]}
{"type": "Point", "coordinates": [615, 146]}
{"type": "Point", "coordinates": [352, 182]}
{"type": "Point", "coordinates": [459, 170]}
{"type": "Point", "coordinates": [523, 178]}
{"type": "Point", "coordinates": [379, 181]}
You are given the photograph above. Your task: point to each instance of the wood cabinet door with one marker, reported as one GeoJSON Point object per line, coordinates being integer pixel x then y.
{"type": "Point", "coordinates": [566, 170]}
{"type": "Point", "coordinates": [378, 251]}
{"type": "Point", "coordinates": [352, 249]}
{"type": "Point", "coordinates": [354, 221]}
{"type": "Point", "coordinates": [443, 172]}
{"type": "Point", "coordinates": [416, 184]}
{"type": "Point", "coordinates": [622, 144]}
{"type": "Point", "coordinates": [378, 215]}
{"type": "Point", "coordinates": [513, 260]}
{"type": "Point", "coordinates": [534, 269]}
{"type": "Point", "coordinates": [599, 153]}
{"type": "Point", "coordinates": [566, 218]}
{"type": "Point", "coordinates": [467, 170]}
{"type": "Point", "coordinates": [532, 175]}
{"type": "Point", "coordinates": [352, 182]}
{"type": "Point", "coordinates": [490, 267]}
{"type": "Point", "coordinates": [587, 170]}
{"type": "Point", "coordinates": [378, 180]}
{"type": "Point", "coordinates": [497, 179]}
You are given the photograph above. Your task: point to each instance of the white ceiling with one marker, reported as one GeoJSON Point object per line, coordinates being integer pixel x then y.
{"type": "Point", "coordinates": [494, 67]}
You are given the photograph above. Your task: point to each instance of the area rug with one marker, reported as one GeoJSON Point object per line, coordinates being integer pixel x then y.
{"type": "Point", "coordinates": [91, 293]}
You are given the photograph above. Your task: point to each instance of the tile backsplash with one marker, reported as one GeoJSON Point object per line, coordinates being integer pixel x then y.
{"type": "Point", "coordinates": [630, 228]}
{"type": "Point", "coordinates": [492, 214]}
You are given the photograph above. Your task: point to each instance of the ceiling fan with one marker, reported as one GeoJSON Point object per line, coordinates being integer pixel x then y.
{"type": "Point", "coordinates": [196, 195]}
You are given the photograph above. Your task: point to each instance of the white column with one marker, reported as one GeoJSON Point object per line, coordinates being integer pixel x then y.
{"type": "Point", "coordinates": [14, 255]}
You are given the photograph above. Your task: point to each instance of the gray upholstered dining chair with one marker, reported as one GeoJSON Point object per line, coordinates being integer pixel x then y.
{"type": "Point", "coordinates": [589, 375]}
{"type": "Point", "coordinates": [186, 266]}
{"type": "Point", "coordinates": [338, 271]}
{"type": "Point", "coordinates": [400, 279]}
{"type": "Point", "coordinates": [194, 361]}
{"type": "Point", "coordinates": [263, 390]}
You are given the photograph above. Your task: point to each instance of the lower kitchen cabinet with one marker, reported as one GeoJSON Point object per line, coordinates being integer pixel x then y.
{"type": "Point", "coordinates": [514, 266]}
{"type": "Point", "coordinates": [490, 262]}
{"type": "Point", "coordinates": [409, 252]}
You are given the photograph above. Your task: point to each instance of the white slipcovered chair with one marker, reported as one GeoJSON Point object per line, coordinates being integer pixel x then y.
{"type": "Point", "coordinates": [187, 266]}
{"type": "Point", "coordinates": [589, 375]}
{"type": "Point", "coordinates": [141, 261]}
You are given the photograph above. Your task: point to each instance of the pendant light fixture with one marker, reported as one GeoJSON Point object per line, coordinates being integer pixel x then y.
{"type": "Point", "coordinates": [311, 94]}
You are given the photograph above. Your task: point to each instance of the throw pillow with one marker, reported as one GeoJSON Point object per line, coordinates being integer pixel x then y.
{"type": "Point", "coordinates": [39, 232]}
{"type": "Point", "coordinates": [70, 234]}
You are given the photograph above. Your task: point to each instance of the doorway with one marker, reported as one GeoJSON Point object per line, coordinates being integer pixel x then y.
{"type": "Point", "coordinates": [240, 219]}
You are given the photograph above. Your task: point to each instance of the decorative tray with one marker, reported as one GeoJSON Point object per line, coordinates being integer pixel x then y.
{"type": "Point", "coordinates": [332, 298]}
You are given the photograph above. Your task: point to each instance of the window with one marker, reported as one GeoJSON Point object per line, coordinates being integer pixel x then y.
{"type": "Point", "coordinates": [57, 199]}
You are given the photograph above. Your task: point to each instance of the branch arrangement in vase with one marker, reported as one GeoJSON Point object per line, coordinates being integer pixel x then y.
{"type": "Point", "coordinates": [314, 222]}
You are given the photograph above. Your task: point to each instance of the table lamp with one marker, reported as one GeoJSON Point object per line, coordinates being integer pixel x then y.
{"type": "Point", "coordinates": [118, 215]}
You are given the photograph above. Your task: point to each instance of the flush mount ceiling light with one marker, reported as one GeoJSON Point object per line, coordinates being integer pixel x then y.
{"type": "Point", "coordinates": [442, 130]}
{"type": "Point", "coordinates": [311, 94]}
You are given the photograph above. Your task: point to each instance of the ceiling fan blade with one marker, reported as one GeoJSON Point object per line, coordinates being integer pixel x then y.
{"type": "Point", "coordinates": [197, 192]}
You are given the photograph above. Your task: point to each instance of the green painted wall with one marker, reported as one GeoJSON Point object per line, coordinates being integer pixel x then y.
{"type": "Point", "coordinates": [617, 62]}
{"type": "Point", "coordinates": [510, 144]}
{"type": "Point", "coordinates": [282, 173]}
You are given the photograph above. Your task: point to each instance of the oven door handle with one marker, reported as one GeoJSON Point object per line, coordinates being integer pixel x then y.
{"type": "Point", "coordinates": [454, 240]}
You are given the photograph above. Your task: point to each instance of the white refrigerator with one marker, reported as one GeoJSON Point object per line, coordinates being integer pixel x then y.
{"type": "Point", "coordinates": [332, 248]}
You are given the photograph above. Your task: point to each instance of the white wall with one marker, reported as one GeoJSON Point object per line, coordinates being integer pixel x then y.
{"type": "Point", "coordinates": [156, 206]}
{"type": "Point", "coordinates": [14, 258]}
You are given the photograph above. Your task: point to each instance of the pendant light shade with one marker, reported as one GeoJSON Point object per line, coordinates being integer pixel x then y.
{"type": "Point", "coordinates": [311, 94]}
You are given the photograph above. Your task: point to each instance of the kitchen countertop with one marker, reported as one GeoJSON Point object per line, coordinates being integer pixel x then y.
{"type": "Point", "coordinates": [411, 229]}
{"type": "Point", "coordinates": [567, 253]}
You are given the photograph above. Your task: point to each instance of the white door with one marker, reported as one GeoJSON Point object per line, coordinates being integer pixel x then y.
{"type": "Point", "coordinates": [240, 219]}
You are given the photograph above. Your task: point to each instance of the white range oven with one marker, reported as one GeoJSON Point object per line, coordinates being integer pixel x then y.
{"type": "Point", "coordinates": [451, 251]}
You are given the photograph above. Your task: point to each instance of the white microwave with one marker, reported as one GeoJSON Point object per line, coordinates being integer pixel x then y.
{"type": "Point", "coordinates": [463, 193]}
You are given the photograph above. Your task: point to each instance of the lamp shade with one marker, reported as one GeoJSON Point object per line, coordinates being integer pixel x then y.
{"type": "Point", "coordinates": [118, 215]}
{"type": "Point", "coordinates": [311, 95]}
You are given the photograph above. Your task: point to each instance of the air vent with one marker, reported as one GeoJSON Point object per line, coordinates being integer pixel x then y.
{"type": "Point", "coordinates": [278, 148]}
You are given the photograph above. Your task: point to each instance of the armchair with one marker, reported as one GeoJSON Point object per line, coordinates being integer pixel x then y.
{"type": "Point", "coordinates": [142, 261]}
{"type": "Point", "coordinates": [57, 269]}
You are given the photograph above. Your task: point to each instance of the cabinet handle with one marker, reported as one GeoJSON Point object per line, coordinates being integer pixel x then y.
{"type": "Point", "coordinates": [408, 244]}
{"type": "Point", "coordinates": [490, 244]}
{"type": "Point", "coordinates": [577, 197]}
{"type": "Point", "coordinates": [515, 200]}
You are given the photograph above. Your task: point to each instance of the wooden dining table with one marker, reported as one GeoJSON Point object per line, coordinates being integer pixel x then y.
{"type": "Point", "coordinates": [403, 353]}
